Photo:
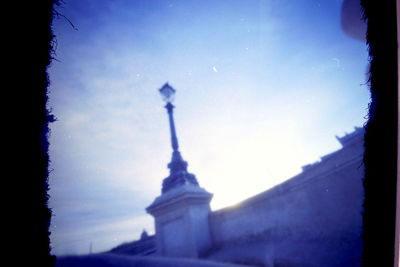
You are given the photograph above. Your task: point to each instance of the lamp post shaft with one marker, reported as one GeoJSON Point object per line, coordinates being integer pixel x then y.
{"type": "Point", "coordinates": [178, 174]}
{"type": "Point", "coordinates": [174, 139]}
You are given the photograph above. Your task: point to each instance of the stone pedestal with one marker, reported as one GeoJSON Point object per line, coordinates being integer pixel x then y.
{"type": "Point", "coordinates": [181, 221]}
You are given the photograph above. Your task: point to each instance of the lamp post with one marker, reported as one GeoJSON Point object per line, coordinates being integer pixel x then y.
{"type": "Point", "coordinates": [181, 212]}
{"type": "Point", "coordinates": [168, 94]}
{"type": "Point", "coordinates": [178, 167]}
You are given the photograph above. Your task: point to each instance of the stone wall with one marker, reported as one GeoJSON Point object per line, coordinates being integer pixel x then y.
{"type": "Point", "coordinates": [313, 219]}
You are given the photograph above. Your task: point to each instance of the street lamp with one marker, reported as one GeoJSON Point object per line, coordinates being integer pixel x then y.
{"type": "Point", "coordinates": [167, 93]}
{"type": "Point", "coordinates": [178, 167]}
{"type": "Point", "coordinates": [181, 212]}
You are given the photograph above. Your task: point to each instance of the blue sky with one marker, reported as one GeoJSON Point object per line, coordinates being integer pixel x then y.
{"type": "Point", "coordinates": [263, 86]}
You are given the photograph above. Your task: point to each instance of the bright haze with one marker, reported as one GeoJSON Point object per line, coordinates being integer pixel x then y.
{"type": "Point", "coordinates": [263, 87]}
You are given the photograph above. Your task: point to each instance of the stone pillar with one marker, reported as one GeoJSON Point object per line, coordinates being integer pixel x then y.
{"type": "Point", "coordinates": [181, 221]}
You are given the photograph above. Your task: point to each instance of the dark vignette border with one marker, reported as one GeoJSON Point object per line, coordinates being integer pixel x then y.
{"type": "Point", "coordinates": [28, 38]}
{"type": "Point", "coordinates": [380, 156]}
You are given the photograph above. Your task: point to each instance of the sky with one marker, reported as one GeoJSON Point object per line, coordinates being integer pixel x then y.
{"type": "Point", "coordinates": [262, 88]}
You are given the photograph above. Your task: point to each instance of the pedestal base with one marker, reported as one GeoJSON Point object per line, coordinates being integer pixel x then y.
{"type": "Point", "coordinates": [181, 220]}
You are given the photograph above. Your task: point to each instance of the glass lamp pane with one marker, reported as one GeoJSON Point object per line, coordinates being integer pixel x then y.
{"type": "Point", "coordinates": [167, 93]}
